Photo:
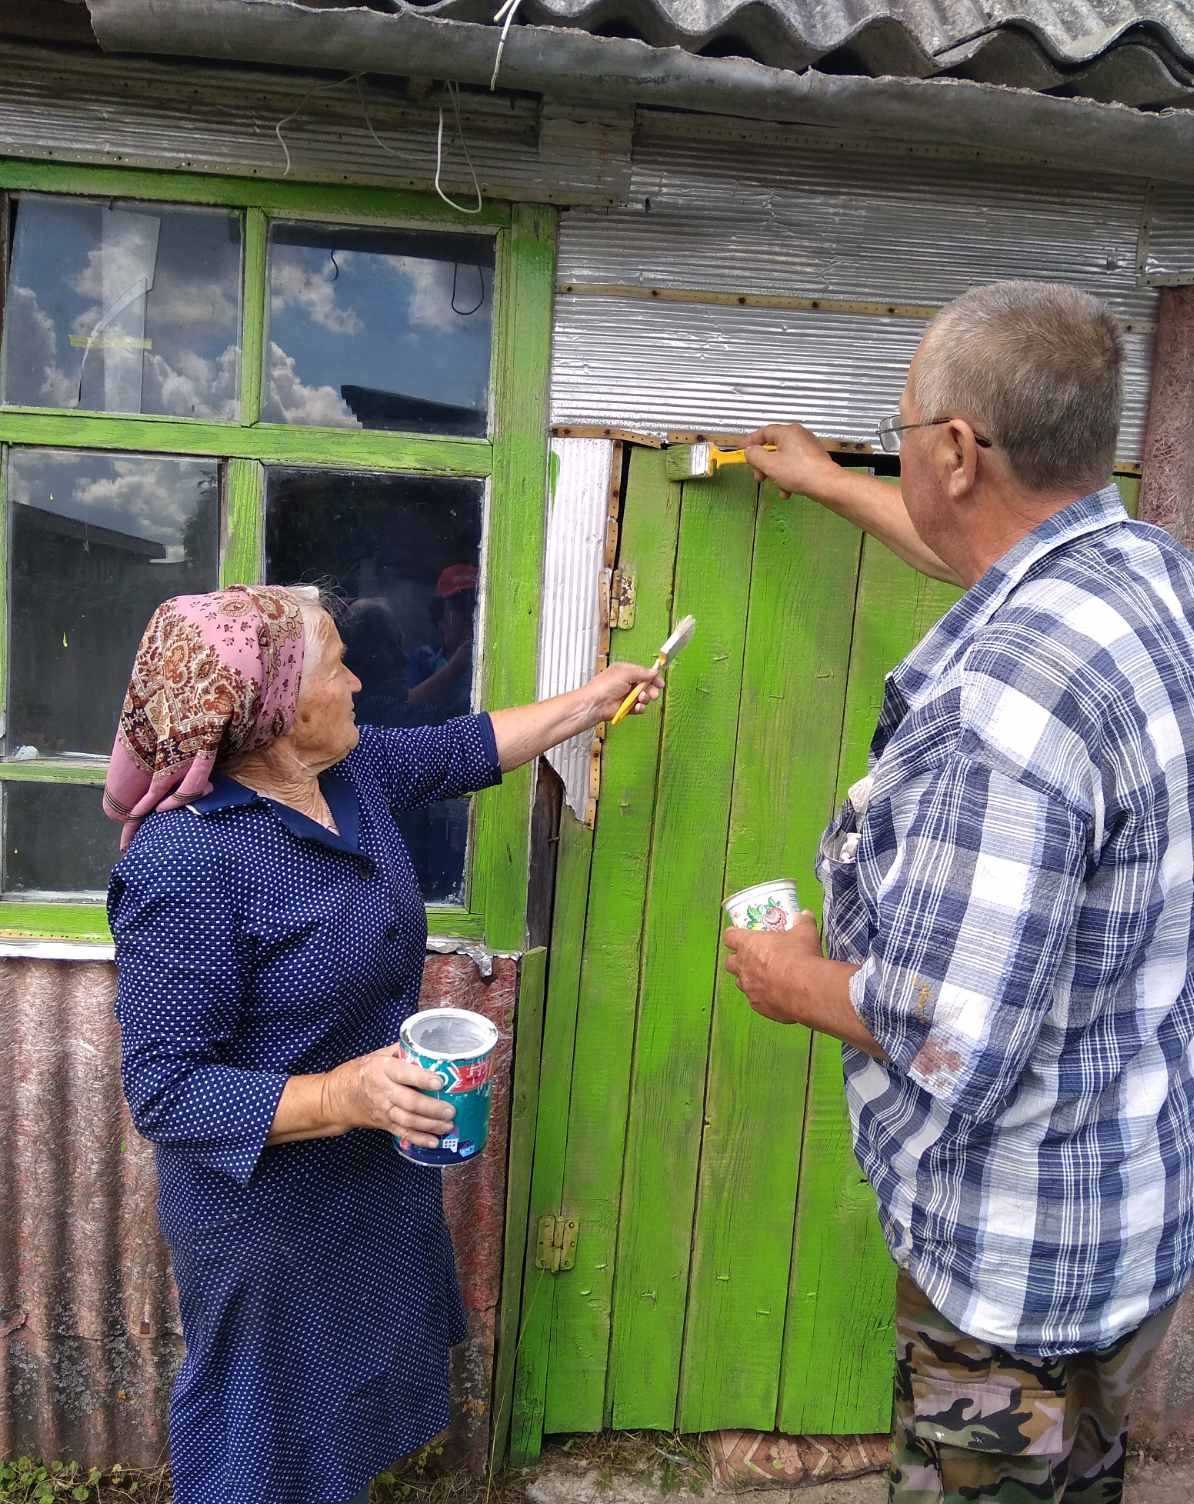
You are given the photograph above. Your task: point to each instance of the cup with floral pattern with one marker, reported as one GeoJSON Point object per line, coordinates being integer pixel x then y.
{"type": "Point", "coordinates": [770, 906]}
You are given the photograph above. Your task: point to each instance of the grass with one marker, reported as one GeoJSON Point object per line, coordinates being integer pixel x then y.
{"type": "Point", "coordinates": [674, 1464]}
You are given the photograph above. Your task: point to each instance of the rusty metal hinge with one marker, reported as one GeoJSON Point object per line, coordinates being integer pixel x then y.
{"type": "Point", "coordinates": [556, 1248]}
{"type": "Point", "coordinates": [622, 594]}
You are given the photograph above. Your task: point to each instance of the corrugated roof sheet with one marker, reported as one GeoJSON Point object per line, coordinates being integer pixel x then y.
{"type": "Point", "coordinates": [1118, 51]}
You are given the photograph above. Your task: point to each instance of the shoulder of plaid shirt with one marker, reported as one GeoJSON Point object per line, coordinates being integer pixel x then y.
{"type": "Point", "coordinates": [1022, 906]}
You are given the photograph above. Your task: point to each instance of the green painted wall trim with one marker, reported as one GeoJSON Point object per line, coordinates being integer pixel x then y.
{"type": "Point", "coordinates": [255, 314]}
{"type": "Point", "coordinates": [297, 200]}
{"type": "Point", "coordinates": [355, 449]}
{"type": "Point", "coordinates": [514, 554]}
{"type": "Point", "coordinates": [524, 1101]}
{"type": "Point", "coordinates": [52, 770]}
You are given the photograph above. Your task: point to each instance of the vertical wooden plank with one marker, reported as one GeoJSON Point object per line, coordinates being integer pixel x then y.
{"type": "Point", "coordinates": [793, 696]}
{"type": "Point", "coordinates": [242, 554]}
{"type": "Point", "coordinates": [254, 319]}
{"type": "Point", "coordinates": [680, 953]}
{"type": "Point", "coordinates": [838, 1344]}
{"type": "Point", "coordinates": [609, 975]}
{"type": "Point", "coordinates": [1129, 490]}
{"type": "Point", "coordinates": [514, 551]}
{"type": "Point", "coordinates": [5, 623]}
{"type": "Point", "coordinates": [551, 1131]}
{"type": "Point", "coordinates": [524, 1101]}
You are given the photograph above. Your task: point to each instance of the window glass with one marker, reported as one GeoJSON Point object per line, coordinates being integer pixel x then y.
{"type": "Point", "coordinates": [97, 541]}
{"type": "Point", "coordinates": [401, 553]}
{"type": "Point", "coordinates": [57, 838]}
{"type": "Point", "coordinates": [124, 308]}
{"type": "Point", "coordinates": [379, 329]}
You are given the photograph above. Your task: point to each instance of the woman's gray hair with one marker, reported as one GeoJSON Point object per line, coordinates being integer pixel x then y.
{"type": "Point", "coordinates": [312, 603]}
{"type": "Point", "coordinates": [1037, 367]}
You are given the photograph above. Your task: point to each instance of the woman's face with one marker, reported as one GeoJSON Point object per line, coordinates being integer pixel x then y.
{"type": "Point", "coordinates": [325, 728]}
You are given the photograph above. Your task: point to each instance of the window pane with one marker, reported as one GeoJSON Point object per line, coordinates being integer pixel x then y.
{"type": "Point", "coordinates": [123, 308]}
{"type": "Point", "coordinates": [96, 542]}
{"type": "Point", "coordinates": [57, 839]}
{"type": "Point", "coordinates": [402, 552]}
{"type": "Point", "coordinates": [379, 329]}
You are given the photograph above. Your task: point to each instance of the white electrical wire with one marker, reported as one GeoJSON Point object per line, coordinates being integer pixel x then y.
{"type": "Point", "coordinates": [439, 156]}
{"type": "Point", "coordinates": [507, 12]}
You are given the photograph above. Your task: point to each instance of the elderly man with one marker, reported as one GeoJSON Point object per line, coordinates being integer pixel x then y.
{"type": "Point", "coordinates": [1008, 909]}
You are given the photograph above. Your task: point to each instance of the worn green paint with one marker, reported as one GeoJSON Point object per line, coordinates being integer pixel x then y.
{"type": "Point", "coordinates": [279, 444]}
{"type": "Point", "coordinates": [515, 458]}
{"type": "Point", "coordinates": [789, 730]}
{"type": "Point", "coordinates": [384, 206]}
{"type": "Point", "coordinates": [1129, 490]}
{"type": "Point", "coordinates": [55, 921]}
{"type": "Point", "coordinates": [254, 314]}
{"type": "Point", "coordinates": [680, 953]}
{"type": "Point", "coordinates": [524, 1099]}
{"type": "Point", "coordinates": [580, 1334]}
{"type": "Point", "coordinates": [51, 770]}
{"type": "Point", "coordinates": [242, 557]}
{"type": "Point", "coordinates": [547, 1177]}
{"type": "Point", "coordinates": [836, 1374]}
{"type": "Point", "coordinates": [514, 553]}
{"type": "Point", "coordinates": [5, 530]}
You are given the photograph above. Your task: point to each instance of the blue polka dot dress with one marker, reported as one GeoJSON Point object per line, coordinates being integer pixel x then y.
{"type": "Point", "coordinates": [316, 1280]}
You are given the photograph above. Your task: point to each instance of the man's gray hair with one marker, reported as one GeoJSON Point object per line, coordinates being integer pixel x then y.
{"type": "Point", "coordinates": [1037, 367]}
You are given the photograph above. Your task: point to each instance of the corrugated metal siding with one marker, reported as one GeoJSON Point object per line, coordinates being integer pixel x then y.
{"type": "Point", "coordinates": [89, 1329]}
{"type": "Point", "coordinates": [1169, 258]}
{"type": "Point", "coordinates": [664, 367]}
{"type": "Point", "coordinates": [570, 624]}
{"type": "Point", "coordinates": [131, 112]}
{"type": "Point", "coordinates": [813, 221]}
{"type": "Point", "coordinates": [758, 216]}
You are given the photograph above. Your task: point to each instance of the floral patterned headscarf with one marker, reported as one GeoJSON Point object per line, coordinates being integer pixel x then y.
{"type": "Point", "coordinates": [214, 675]}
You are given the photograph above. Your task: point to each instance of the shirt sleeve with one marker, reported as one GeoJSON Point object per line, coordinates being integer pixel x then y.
{"type": "Point", "coordinates": [180, 998]}
{"type": "Point", "coordinates": [972, 930]}
{"type": "Point", "coordinates": [421, 764]}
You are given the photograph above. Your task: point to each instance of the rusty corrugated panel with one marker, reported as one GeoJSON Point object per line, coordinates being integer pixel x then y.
{"type": "Point", "coordinates": [89, 1331]}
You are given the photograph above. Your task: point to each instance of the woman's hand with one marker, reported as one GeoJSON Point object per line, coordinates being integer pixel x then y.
{"type": "Point", "coordinates": [382, 1090]}
{"type": "Point", "coordinates": [603, 694]}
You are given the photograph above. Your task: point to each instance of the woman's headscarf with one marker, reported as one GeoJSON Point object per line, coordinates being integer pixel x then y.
{"type": "Point", "coordinates": [214, 675]}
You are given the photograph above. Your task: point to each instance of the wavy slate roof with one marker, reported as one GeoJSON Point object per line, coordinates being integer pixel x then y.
{"type": "Point", "coordinates": [1141, 55]}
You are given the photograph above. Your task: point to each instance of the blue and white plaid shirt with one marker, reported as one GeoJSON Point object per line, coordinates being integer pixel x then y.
{"type": "Point", "coordinates": [1016, 879]}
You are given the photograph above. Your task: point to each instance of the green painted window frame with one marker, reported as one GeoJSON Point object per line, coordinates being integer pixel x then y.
{"type": "Point", "coordinates": [513, 460]}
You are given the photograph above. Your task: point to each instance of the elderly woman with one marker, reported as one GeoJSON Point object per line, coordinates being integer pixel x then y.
{"type": "Point", "coordinates": [270, 937]}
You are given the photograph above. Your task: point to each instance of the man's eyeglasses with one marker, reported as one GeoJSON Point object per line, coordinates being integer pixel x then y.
{"type": "Point", "coordinates": [891, 428]}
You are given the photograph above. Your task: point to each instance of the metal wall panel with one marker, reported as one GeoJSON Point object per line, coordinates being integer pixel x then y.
{"type": "Point", "coordinates": [663, 367]}
{"type": "Point", "coordinates": [198, 118]}
{"type": "Point", "coordinates": [805, 220]}
{"type": "Point", "coordinates": [1169, 248]}
{"type": "Point", "coordinates": [570, 625]}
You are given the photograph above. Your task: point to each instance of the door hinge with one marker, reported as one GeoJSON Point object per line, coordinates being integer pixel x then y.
{"type": "Point", "coordinates": [622, 586]}
{"type": "Point", "coordinates": [557, 1243]}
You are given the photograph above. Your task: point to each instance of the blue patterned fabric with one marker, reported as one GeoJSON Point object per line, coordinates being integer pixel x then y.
{"type": "Point", "coordinates": [316, 1281]}
{"type": "Point", "coordinates": [1016, 880]}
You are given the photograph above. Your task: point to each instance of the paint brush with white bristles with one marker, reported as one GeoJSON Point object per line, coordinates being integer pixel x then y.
{"type": "Point", "coordinates": [680, 638]}
{"type": "Point", "coordinates": [701, 461]}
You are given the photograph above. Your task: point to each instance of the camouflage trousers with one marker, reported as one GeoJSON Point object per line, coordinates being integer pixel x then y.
{"type": "Point", "coordinates": [975, 1422]}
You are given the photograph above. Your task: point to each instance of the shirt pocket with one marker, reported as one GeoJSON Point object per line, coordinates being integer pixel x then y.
{"type": "Point", "coordinates": [983, 1415]}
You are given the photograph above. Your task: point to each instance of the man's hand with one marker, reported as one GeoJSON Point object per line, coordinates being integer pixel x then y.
{"type": "Point", "coordinates": [800, 463]}
{"type": "Point", "coordinates": [771, 968]}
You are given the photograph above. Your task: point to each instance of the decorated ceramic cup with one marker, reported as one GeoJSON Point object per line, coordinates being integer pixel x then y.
{"type": "Point", "coordinates": [766, 906]}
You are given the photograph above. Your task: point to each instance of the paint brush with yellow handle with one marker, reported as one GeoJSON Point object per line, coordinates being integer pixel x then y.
{"type": "Point", "coordinates": [702, 461]}
{"type": "Point", "coordinates": [680, 638]}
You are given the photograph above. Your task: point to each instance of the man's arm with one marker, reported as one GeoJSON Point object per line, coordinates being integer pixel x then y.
{"type": "Point", "coordinates": [801, 465]}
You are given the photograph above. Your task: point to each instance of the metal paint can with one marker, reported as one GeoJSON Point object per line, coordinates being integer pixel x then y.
{"type": "Point", "coordinates": [766, 906]}
{"type": "Point", "coordinates": [458, 1046]}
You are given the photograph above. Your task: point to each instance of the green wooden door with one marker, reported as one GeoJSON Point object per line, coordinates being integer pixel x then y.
{"type": "Point", "coordinates": [729, 1269]}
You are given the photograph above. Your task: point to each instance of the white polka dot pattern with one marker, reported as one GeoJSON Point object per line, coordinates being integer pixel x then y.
{"type": "Point", "coordinates": [316, 1281]}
